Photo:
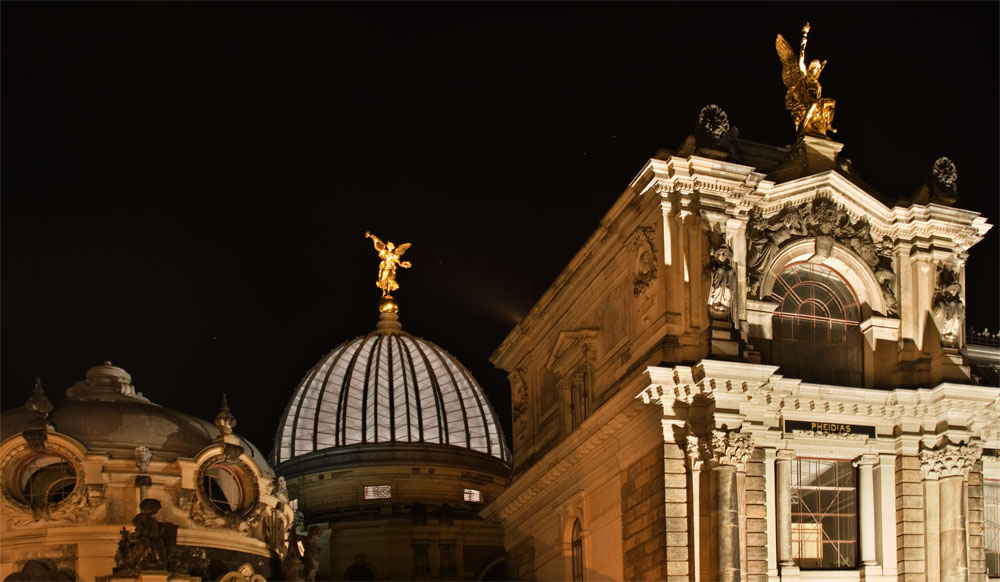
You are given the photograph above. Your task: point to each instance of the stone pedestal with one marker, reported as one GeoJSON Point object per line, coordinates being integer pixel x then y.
{"type": "Point", "coordinates": [725, 340]}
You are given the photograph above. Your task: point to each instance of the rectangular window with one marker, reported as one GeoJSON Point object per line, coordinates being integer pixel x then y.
{"type": "Point", "coordinates": [991, 525]}
{"type": "Point", "coordinates": [824, 514]}
{"type": "Point", "coordinates": [294, 504]}
{"type": "Point", "coordinates": [473, 496]}
{"type": "Point", "coordinates": [378, 491]}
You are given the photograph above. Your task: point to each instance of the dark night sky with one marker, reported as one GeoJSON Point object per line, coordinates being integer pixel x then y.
{"type": "Point", "coordinates": [185, 187]}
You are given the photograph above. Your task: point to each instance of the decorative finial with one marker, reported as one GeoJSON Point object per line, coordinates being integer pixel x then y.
{"type": "Point", "coordinates": [38, 402]}
{"type": "Point", "coordinates": [945, 172]}
{"type": "Point", "coordinates": [225, 420]}
{"type": "Point", "coordinates": [812, 113]}
{"type": "Point", "coordinates": [390, 255]}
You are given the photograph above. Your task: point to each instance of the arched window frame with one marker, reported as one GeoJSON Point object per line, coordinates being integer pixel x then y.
{"type": "Point", "coordinates": [817, 325]}
{"type": "Point", "coordinates": [576, 545]}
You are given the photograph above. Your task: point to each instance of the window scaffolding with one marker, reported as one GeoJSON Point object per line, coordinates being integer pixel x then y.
{"type": "Point", "coordinates": [816, 329]}
{"type": "Point", "coordinates": [824, 514]}
{"type": "Point", "coordinates": [991, 526]}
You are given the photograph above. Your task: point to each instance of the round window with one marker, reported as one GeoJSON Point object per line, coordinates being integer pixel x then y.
{"type": "Point", "coordinates": [227, 486]}
{"type": "Point", "coordinates": [45, 479]}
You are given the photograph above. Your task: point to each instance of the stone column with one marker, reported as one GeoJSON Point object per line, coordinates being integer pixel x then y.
{"type": "Point", "coordinates": [949, 465]}
{"type": "Point", "coordinates": [727, 452]}
{"type": "Point", "coordinates": [866, 507]}
{"type": "Point", "coordinates": [783, 506]}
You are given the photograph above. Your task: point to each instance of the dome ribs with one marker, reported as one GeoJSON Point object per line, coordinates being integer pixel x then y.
{"type": "Point", "coordinates": [367, 383]}
{"type": "Point", "coordinates": [442, 415]}
{"type": "Point", "coordinates": [416, 395]}
{"type": "Point", "coordinates": [298, 409]}
{"type": "Point", "coordinates": [345, 386]}
{"type": "Point", "coordinates": [443, 358]}
{"type": "Point", "coordinates": [384, 388]}
{"type": "Point", "coordinates": [322, 393]}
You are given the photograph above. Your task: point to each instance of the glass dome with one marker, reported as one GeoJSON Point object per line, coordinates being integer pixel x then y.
{"type": "Point", "coordinates": [388, 387]}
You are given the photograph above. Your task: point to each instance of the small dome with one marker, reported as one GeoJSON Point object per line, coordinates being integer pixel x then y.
{"type": "Point", "coordinates": [106, 414]}
{"type": "Point", "coordinates": [388, 387]}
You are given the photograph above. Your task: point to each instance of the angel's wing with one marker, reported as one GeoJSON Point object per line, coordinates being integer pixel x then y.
{"type": "Point", "coordinates": [402, 249]}
{"type": "Point", "coordinates": [790, 73]}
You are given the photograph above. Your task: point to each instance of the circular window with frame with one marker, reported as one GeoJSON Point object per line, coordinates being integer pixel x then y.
{"type": "Point", "coordinates": [50, 481]}
{"type": "Point", "coordinates": [43, 479]}
{"type": "Point", "coordinates": [228, 487]}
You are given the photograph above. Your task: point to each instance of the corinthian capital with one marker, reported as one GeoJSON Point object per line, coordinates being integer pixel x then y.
{"type": "Point", "coordinates": [720, 448]}
{"type": "Point", "coordinates": [948, 461]}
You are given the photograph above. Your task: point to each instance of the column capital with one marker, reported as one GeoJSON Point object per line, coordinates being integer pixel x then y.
{"type": "Point", "coordinates": [721, 447]}
{"type": "Point", "coordinates": [785, 455]}
{"type": "Point", "coordinates": [948, 461]}
{"type": "Point", "coordinates": [866, 460]}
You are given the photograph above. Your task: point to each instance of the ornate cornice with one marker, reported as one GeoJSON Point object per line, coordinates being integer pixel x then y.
{"type": "Point", "coordinates": [948, 461]}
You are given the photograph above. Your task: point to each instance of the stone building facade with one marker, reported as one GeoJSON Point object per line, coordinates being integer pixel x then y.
{"type": "Point", "coordinates": [106, 485]}
{"type": "Point", "coordinates": [755, 369]}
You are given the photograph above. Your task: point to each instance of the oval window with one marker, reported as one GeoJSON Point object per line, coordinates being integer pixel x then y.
{"type": "Point", "coordinates": [227, 487]}
{"type": "Point", "coordinates": [45, 479]}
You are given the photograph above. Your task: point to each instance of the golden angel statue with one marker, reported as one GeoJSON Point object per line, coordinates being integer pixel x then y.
{"type": "Point", "coordinates": [390, 254]}
{"type": "Point", "coordinates": [812, 113]}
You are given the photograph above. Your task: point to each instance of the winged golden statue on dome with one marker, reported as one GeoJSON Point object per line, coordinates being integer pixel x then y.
{"type": "Point", "coordinates": [812, 113]}
{"type": "Point", "coordinates": [390, 255]}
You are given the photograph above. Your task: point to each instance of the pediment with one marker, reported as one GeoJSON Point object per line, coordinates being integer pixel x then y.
{"type": "Point", "coordinates": [569, 349]}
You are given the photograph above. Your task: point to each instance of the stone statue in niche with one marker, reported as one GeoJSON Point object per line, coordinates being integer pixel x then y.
{"type": "Point", "coordinates": [949, 309]}
{"type": "Point", "coordinates": [886, 276]}
{"type": "Point", "coordinates": [308, 548]}
{"type": "Point", "coordinates": [720, 295]}
{"type": "Point", "coordinates": [148, 547]}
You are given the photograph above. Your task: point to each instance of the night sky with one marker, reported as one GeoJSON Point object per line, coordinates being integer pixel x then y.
{"type": "Point", "coordinates": [186, 187]}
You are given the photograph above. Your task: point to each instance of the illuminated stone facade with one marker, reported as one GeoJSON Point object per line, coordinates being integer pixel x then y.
{"type": "Point", "coordinates": [79, 480]}
{"type": "Point", "coordinates": [754, 370]}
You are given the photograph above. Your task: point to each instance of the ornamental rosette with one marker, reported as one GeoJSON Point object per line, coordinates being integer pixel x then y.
{"type": "Point", "coordinates": [944, 171]}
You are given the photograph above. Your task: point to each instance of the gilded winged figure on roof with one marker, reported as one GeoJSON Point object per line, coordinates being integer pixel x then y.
{"type": "Point", "coordinates": [812, 113]}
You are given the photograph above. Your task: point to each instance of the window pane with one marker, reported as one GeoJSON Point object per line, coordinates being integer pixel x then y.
{"type": "Point", "coordinates": [824, 514]}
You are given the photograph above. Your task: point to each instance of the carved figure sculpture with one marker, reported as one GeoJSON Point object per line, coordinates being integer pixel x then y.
{"type": "Point", "coordinates": [149, 545]}
{"type": "Point", "coordinates": [949, 309]}
{"type": "Point", "coordinates": [812, 113]}
{"type": "Point", "coordinates": [720, 295]}
{"type": "Point", "coordinates": [390, 255]}
{"type": "Point", "coordinates": [310, 553]}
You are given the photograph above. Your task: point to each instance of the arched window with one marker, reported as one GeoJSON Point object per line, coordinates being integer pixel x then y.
{"type": "Point", "coordinates": [577, 544]}
{"type": "Point", "coordinates": [816, 331]}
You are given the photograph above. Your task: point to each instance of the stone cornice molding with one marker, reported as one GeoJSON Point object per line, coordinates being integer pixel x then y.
{"type": "Point", "coordinates": [948, 461]}
{"type": "Point", "coordinates": [756, 391]}
{"type": "Point", "coordinates": [721, 447]}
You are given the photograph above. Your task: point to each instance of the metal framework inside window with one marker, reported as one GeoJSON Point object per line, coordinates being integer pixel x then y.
{"type": "Point", "coordinates": [472, 495]}
{"type": "Point", "coordinates": [824, 514]}
{"type": "Point", "coordinates": [816, 331]}
{"type": "Point", "coordinates": [378, 491]}
{"type": "Point", "coordinates": [577, 552]}
{"type": "Point", "coordinates": [991, 526]}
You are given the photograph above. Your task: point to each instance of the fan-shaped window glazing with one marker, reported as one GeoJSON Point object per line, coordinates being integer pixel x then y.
{"type": "Point", "coordinates": [816, 327]}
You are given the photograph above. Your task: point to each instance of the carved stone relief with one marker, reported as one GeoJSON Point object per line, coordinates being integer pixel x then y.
{"type": "Point", "coordinates": [644, 271]}
{"type": "Point", "coordinates": [829, 223]}
{"type": "Point", "coordinates": [712, 130]}
{"type": "Point", "coordinates": [949, 310]}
